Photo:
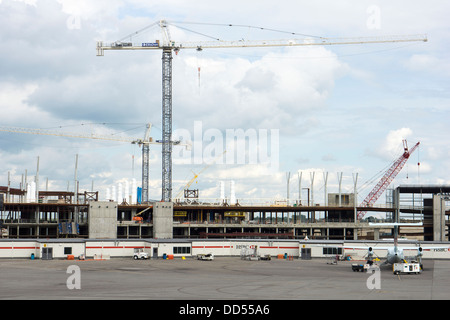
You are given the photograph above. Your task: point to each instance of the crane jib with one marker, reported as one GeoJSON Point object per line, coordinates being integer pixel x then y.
{"type": "Point", "coordinates": [119, 45]}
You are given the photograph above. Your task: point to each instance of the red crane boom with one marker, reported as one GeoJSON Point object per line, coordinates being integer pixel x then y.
{"type": "Point", "coordinates": [386, 180]}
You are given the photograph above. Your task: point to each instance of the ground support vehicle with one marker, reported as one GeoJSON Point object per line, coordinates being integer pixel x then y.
{"type": "Point", "coordinates": [357, 267]}
{"type": "Point", "coordinates": [411, 268]}
{"type": "Point", "coordinates": [140, 254]}
{"type": "Point", "coordinates": [207, 257]}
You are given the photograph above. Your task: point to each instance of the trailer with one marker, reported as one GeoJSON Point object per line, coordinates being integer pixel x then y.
{"type": "Point", "coordinates": [411, 268]}
{"type": "Point", "coordinates": [357, 267]}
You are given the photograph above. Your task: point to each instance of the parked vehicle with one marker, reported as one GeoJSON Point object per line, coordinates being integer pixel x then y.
{"type": "Point", "coordinates": [398, 268]}
{"type": "Point", "coordinates": [208, 256]}
{"type": "Point", "coordinates": [140, 254]}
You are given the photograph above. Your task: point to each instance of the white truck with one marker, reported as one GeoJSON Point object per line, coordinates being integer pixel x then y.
{"type": "Point", "coordinates": [398, 268]}
{"type": "Point", "coordinates": [208, 257]}
{"type": "Point", "coordinates": [140, 254]}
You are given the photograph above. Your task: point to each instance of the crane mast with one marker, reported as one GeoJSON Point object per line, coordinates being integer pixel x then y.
{"type": "Point", "coordinates": [167, 45]}
{"type": "Point", "coordinates": [145, 164]}
{"type": "Point", "coordinates": [166, 125]}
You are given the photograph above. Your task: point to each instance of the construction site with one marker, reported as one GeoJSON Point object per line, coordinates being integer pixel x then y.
{"type": "Point", "coordinates": [30, 213]}
{"type": "Point", "coordinates": [58, 215]}
{"type": "Point", "coordinates": [224, 158]}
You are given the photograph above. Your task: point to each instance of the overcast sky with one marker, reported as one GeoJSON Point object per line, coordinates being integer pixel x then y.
{"type": "Point", "coordinates": [325, 109]}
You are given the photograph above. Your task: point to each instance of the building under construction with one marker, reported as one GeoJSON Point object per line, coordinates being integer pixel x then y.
{"type": "Point", "coordinates": [59, 214]}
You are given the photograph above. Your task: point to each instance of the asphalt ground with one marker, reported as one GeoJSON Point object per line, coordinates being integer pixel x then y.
{"type": "Point", "coordinates": [224, 278]}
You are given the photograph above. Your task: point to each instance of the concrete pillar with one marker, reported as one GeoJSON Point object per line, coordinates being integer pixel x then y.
{"type": "Point", "coordinates": [438, 218]}
{"type": "Point", "coordinates": [376, 234]}
{"type": "Point", "coordinates": [396, 204]}
{"type": "Point", "coordinates": [102, 220]}
{"type": "Point", "coordinates": [163, 220]}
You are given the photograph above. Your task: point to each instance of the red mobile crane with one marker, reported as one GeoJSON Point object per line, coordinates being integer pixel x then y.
{"type": "Point", "coordinates": [385, 181]}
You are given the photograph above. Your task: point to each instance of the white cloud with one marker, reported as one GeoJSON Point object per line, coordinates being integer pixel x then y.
{"type": "Point", "coordinates": [425, 168]}
{"type": "Point", "coordinates": [392, 146]}
{"type": "Point", "coordinates": [13, 99]}
{"type": "Point", "coordinates": [28, 2]}
{"type": "Point", "coordinates": [241, 172]}
{"type": "Point", "coordinates": [328, 157]}
{"type": "Point", "coordinates": [269, 92]}
{"type": "Point", "coordinates": [428, 63]}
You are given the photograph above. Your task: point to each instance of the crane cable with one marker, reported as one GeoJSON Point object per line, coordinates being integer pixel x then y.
{"type": "Point", "coordinates": [252, 27]}
{"type": "Point", "coordinates": [375, 178]}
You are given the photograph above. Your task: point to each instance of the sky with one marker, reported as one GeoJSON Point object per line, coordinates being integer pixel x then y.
{"type": "Point", "coordinates": [314, 110]}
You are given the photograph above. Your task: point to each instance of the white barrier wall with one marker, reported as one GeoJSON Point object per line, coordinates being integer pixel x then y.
{"type": "Point", "coordinates": [236, 248]}
{"type": "Point", "coordinates": [115, 248]}
{"type": "Point", "coordinates": [110, 248]}
{"type": "Point", "coordinates": [13, 249]}
{"type": "Point", "coordinates": [187, 248]}
{"type": "Point", "coordinates": [22, 249]}
{"type": "Point", "coordinates": [62, 249]}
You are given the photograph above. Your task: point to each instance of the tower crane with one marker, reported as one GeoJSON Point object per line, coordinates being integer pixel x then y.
{"type": "Point", "coordinates": [167, 45]}
{"type": "Point", "coordinates": [145, 143]}
{"type": "Point", "coordinates": [387, 178]}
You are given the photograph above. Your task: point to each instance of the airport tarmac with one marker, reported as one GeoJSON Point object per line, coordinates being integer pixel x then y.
{"type": "Point", "coordinates": [228, 278]}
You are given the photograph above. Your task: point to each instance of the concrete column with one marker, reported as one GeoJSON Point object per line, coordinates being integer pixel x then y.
{"type": "Point", "coordinates": [340, 188]}
{"type": "Point", "coordinates": [299, 188]}
{"type": "Point", "coordinates": [163, 220]}
{"type": "Point", "coordinates": [438, 218]}
{"type": "Point", "coordinates": [355, 195]}
{"type": "Point", "coordinates": [376, 234]}
{"type": "Point", "coordinates": [396, 200]}
{"type": "Point", "coordinates": [102, 220]}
